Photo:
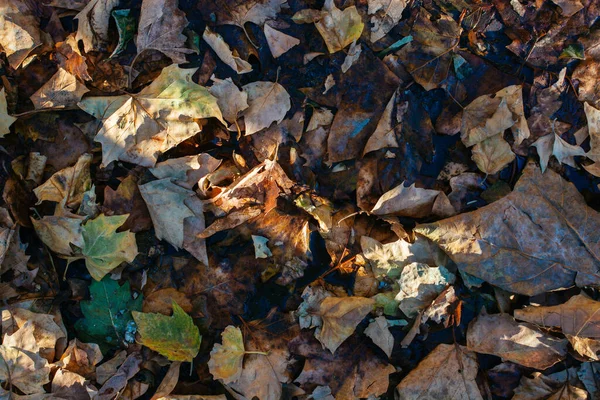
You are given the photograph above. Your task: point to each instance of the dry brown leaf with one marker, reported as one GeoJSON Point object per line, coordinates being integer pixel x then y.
{"type": "Point", "coordinates": [70, 58]}
{"type": "Point", "coordinates": [81, 358]}
{"type": "Point", "coordinates": [186, 171]}
{"type": "Point", "coordinates": [593, 117]}
{"type": "Point", "coordinates": [62, 90]}
{"type": "Point", "coordinates": [420, 285]}
{"type": "Point", "coordinates": [68, 185]}
{"type": "Point", "coordinates": [255, 11]}
{"type": "Point", "coordinates": [521, 343]}
{"type": "Point", "coordinates": [492, 154]}
{"type": "Point", "coordinates": [161, 301]}
{"type": "Point", "coordinates": [93, 22]}
{"type": "Point", "coordinates": [406, 201]}
{"type": "Point", "coordinates": [68, 385]}
{"type": "Point", "coordinates": [554, 145]}
{"type": "Point", "coordinates": [385, 133]}
{"type": "Point", "coordinates": [385, 15]}
{"type": "Point", "coordinates": [542, 387]}
{"type": "Point", "coordinates": [59, 231]}
{"type": "Point", "coordinates": [448, 372]}
{"type": "Point", "coordinates": [536, 239]}
{"type": "Point", "coordinates": [118, 381]}
{"type": "Point", "coordinates": [230, 99]}
{"type": "Point", "coordinates": [279, 43]}
{"type": "Point", "coordinates": [268, 102]}
{"type": "Point", "coordinates": [169, 381]}
{"type": "Point", "coordinates": [218, 44]}
{"type": "Point", "coordinates": [340, 317]}
{"type": "Point", "coordinates": [378, 331]}
{"type": "Point", "coordinates": [19, 31]}
{"type": "Point", "coordinates": [160, 27]}
{"type": "Point", "coordinates": [109, 368]}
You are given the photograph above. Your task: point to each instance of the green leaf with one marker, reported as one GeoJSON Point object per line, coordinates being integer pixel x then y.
{"type": "Point", "coordinates": [126, 26]}
{"type": "Point", "coordinates": [108, 320]}
{"type": "Point", "coordinates": [175, 337]}
{"type": "Point", "coordinates": [104, 249]}
{"type": "Point", "coordinates": [575, 50]}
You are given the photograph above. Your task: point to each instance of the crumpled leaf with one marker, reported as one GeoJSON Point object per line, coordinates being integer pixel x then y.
{"type": "Point", "coordinates": [69, 184]}
{"type": "Point", "coordinates": [420, 285]}
{"type": "Point", "coordinates": [577, 317]}
{"type": "Point", "coordinates": [268, 102]}
{"type": "Point", "coordinates": [226, 359]}
{"type": "Point", "coordinates": [5, 120]}
{"type": "Point", "coordinates": [107, 315]}
{"type": "Point", "coordinates": [554, 145]}
{"type": "Point", "coordinates": [160, 26]}
{"type": "Point", "coordinates": [177, 215]}
{"type": "Point", "coordinates": [175, 337]}
{"type": "Point", "coordinates": [385, 16]}
{"type": "Point", "coordinates": [428, 57]}
{"type": "Point", "coordinates": [521, 343]}
{"type": "Point", "coordinates": [230, 99]}
{"type": "Point", "coordinates": [137, 128]}
{"type": "Point", "coordinates": [70, 58]}
{"type": "Point", "coordinates": [19, 31]}
{"type": "Point", "coordinates": [308, 310]}
{"type": "Point", "coordinates": [62, 90]}
{"type": "Point", "coordinates": [81, 358]}
{"type": "Point", "coordinates": [186, 171]}
{"type": "Point", "coordinates": [449, 371]}
{"type": "Point", "coordinates": [93, 22]}
{"type": "Point", "coordinates": [338, 28]}
{"type": "Point", "coordinates": [378, 331]}
{"type": "Point", "coordinates": [535, 239]}
{"type": "Point", "coordinates": [103, 248]}
{"type": "Point", "coordinates": [21, 363]}
{"type": "Point", "coordinates": [218, 44]}
{"type": "Point", "coordinates": [340, 317]}
{"type": "Point", "coordinates": [279, 43]}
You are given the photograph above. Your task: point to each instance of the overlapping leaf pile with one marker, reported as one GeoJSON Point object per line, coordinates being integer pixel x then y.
{"type": "Point", "coordinates": [296, 199]}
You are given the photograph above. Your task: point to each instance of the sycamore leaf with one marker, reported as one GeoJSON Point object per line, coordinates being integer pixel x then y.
{"type": "Point", "coordinates": [447, 369]}
{"type": "Point", "coordinates": [226, 359]}
{"type": "Point", "coordinates": [408, 201]}
{"type": "Point", "coordinates": [580, 316]}
{"type": "Point", "coordinates": [69, 184]}
{"type": "Point", "coordinates": [186, 171]}
{"type": "Point", "coordinates": [218, 44]}
{"type": "Point", "coordinates": [385, 16]}
{"type": "Point", "coordinates": [19, 31]}
{"type": "Point", "coordinates": [20, 362]}
{"type": "Point", "coordinates": [175, 337]}
{"type": "Point", "coordinates": [93, 24]}
{"type": "Point", "coordinates": [103, 248]}
{"type": "Point", "coordinates": [137, 128]}
{"type": "Point", "coordinates": [62, 90]}
{"type": "Point", "coordinates": [268, 102]}
{"type": "Point", "coordinates": [521, 343]}
{"type": "Point", "coordinates": [107, 315]}
{"type": "Point", "coordinates": [160, 27]}
{"type": "Point", "coordinates": [230, 99]}
{"type": "Point", "coordinates": [340, 317]}
{"type": "Point", "coordinates": [279, 43]}
{"type": "Point", "coordinates": [5, 120]}
{"type": "Point", "coordinates": [533, 240]}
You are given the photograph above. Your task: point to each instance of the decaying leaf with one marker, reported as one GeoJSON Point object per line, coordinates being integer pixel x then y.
{"type": "Point", "coordinates": [217, 43]}
{"type": "Point", "coordinates": [449, 371]}
{"type": "Point", "coordinates": [19, 31]}
{"type": "Point", "coordinates": [68, 185]}
{"type": "Point", "coordinates": [340, 317]}
{"type": "Point", "coordinates": [175, 337]}
{"type": "Point", "coordinates": [81, 358]}
{"type": "Point", "coordinates": [268, 102]}
{"type": "Point", "coordinates": [62, 90]}
{"type": "Point", "coordinates": [521, 343]}
{"type": "Point", "coordinates": [535, 239]}
{"type": "Point", "coordinates": [137, 128]}
{"type": "Point", "coordinates": [70, 58]}
{"type": "Point", "coordinates": [5, 120]}
{"type": "Point", "coordinates": [492, 154]}
{"type": "Point", "coordinates": [160, 26]}
{"type": "Point", "coordinates": [385, 15]}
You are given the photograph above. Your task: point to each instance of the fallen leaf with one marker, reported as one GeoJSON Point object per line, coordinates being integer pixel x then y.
{"type": "Point", "coordinates": [21, 364]}
{"type": "Point", "coordinates": [255, 11]}
{"type": "Point", "coordinates": [103, 248]}
{"type": "Point", "coordinates": [175, 337]}
{"type": "Point", "coordinates": [59, 231]}
{"type": "Point", "coordinates": [69, 385]}
{"type": "Point", "coordinates": [19, 31]}
{"type": "Point", "coordinates": [161, 301]}
{"type": "Point", "coordinates": [588, 374]}
{"type": "Point", "coordinates": [226, 359]}
{"type": "Point", "coordinates": [533, 240]}
{"type": "Point", "coordinates": [406, 201]}
{"type": "Point", "coordinates": [169, 381]}
{"type": "Point", "coordinates": [70, 58]}
{"type": "Point", "coordinates": [137, 128]}
{"type": "Point", "coordinates": [308, 311]}
{"type": "Point", "coordinates": [385, 16]}
{"type": "Point", "coordinates": [127, 199]}
{"type": "Point", "coordinates": [420, 285]}
{"type": "Point", "coordinates": [218, 44]}
{"type": "Point", "coordinates": [544, 387]}
{"type": "Point", "coordinates": [5, 120]}
{"type": "Point", "coordinates": [230, 99]}
{"type": "Point", "coordinates": [492, 154]}
{"type": "Point", "coordinates": [279, 43]}
{"type": "Point", "coordinates": [320, 117]}
{"type": "Point", "coordinates": [160, 26]}
{"type": "Point", "coordinates": [68, 184]}
{"type": "Point", "coordinates": [81, 358]}
{"type": "Point", "coordinates": [177, 215]}
{"type": "Point", "coordinates": [62, 90]}
{"type": "Point", "coordinates": [436, 376]}
{"type": "Point", "coordinates": [116, 383]}
{"type": "Point", "coordinates": [521, 343]}
{"type": "Point", "coordinates": [340, 317]}
{"type": "Point", "coordinates": [576, 317]}
{"type": "Point", "coordinates": [593, 117]}
{"type": "Point", "coordinates": [268, 102]}
{"type": "Point", "coordinates": [384, 135]}
{"type": "Point", "coordinates": [554, 145]}
{"type": "Point", "coordinates": [126, 24]}
{"type": "Point", "coordinates": [186, 171]}
{"type": "Point", "coordinates": [378, 331]}
{"type": "Point", "coordinates": [352, 56]}
{"type": "Point", "coordinates": [110, 367]}
{"type": "Point", "coordinates": [93, 22]}
{"type": "Point", "coordinates": [261, 250]}
{"type": "Point", "coordinates": [107, 315]}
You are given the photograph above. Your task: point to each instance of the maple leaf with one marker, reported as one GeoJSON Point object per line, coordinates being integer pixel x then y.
{"type": "Point", "coordinates": [138, 127]}
{"type": "Point", "coordinates": [103, 248]}
{"type": "Point", "coordinates": [5, 120]}
{"type": "Point", "coordinates": [160, 26]}
{"type": "Point", "coordinates": [175, 337]}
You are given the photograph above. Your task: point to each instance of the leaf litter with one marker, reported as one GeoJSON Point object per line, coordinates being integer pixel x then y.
{"type": "Point", "coordinates": [293, 199]}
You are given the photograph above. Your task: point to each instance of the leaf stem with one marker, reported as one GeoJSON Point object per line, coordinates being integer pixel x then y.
{"type": "Point", "coordinates": [256, 352]}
